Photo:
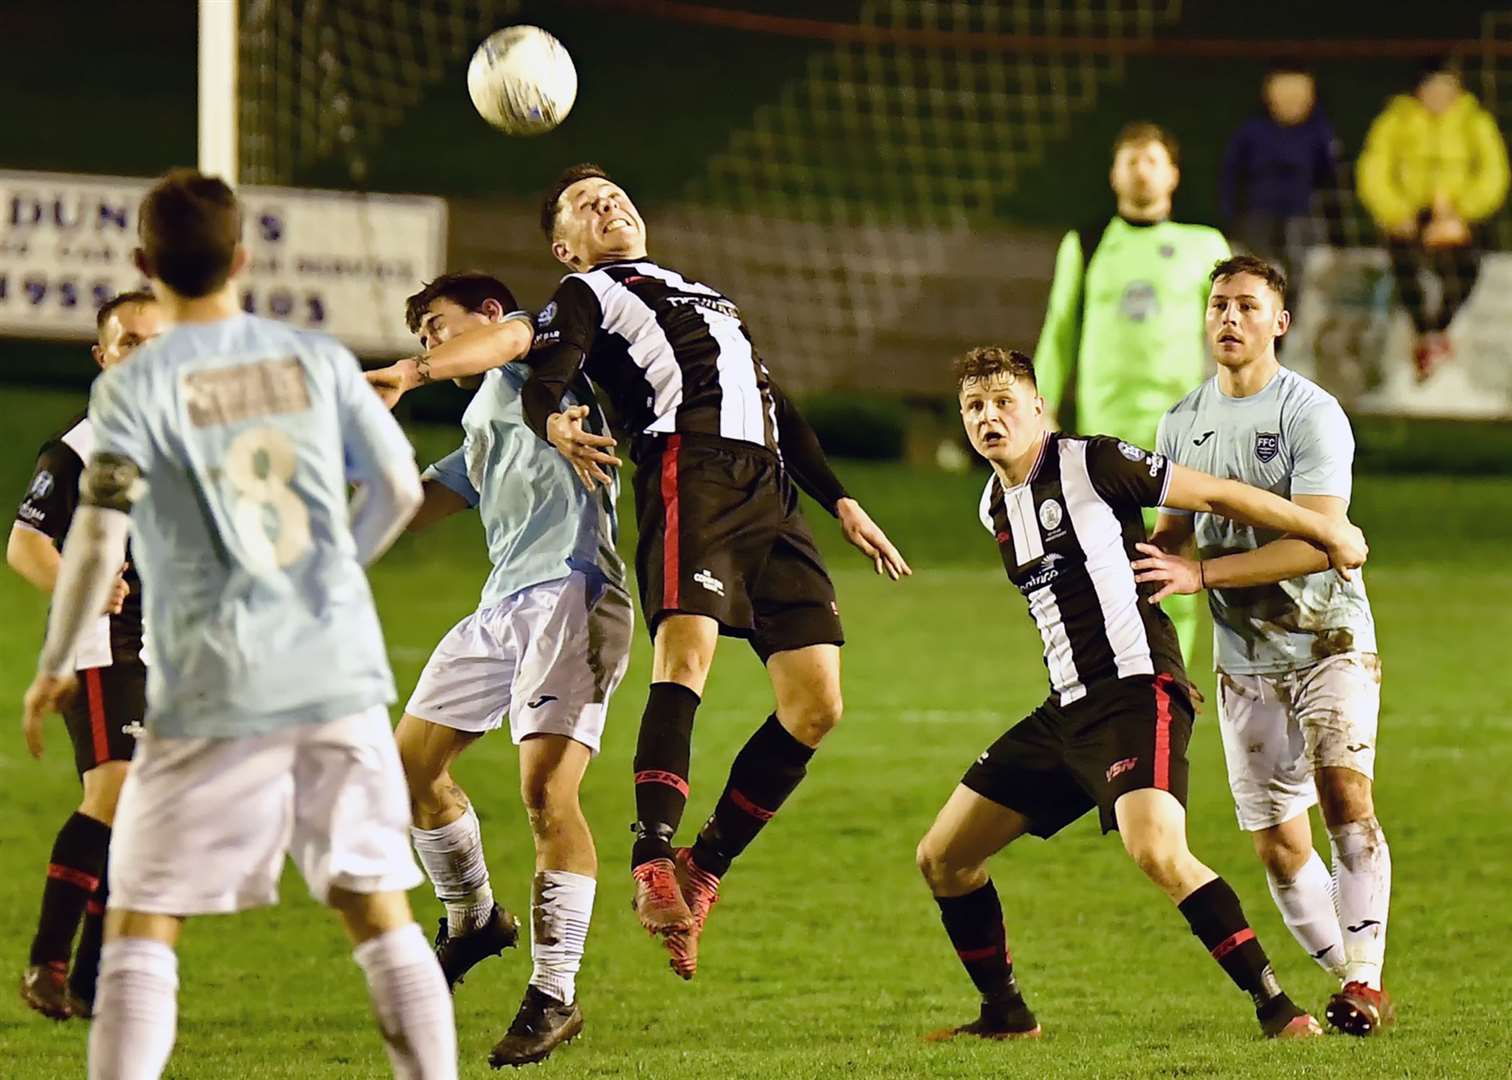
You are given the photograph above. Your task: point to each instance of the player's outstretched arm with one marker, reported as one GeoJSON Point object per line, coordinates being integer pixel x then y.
{"type": "Point", "coordinates": [1279, 560]}
{"type": "Point", "coordinates": [445, 489]}
{"type": "Point", "coordinates": [471, 353]}
{"type": "Point", "coordinates": [1192, 490]}
{"type": "Point", "coordinates": [804, 457]}
{"type": "Point", "coordinates": [92, 557]}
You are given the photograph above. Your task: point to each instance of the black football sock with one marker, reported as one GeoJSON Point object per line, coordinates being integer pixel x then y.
{"type": "Point", "coordinates": [662, 751]}
{"type": "Point", "coordinates": [73, 874]}
{"type": "Point", "coordinates": [769, 767]}
{"type": "Point", "coordinates": [86, 965]}
{"type": "Point", "coordinates": [1217, 918]}
{"type": "Point", "coordinates": [975, 925]}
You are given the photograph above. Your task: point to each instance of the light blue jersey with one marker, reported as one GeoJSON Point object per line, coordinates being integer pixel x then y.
{"type": "Point", "coordinates": [1291, 438]}
{"type": "Point", "coordinates": [539, 520]}
{"type": "Point", "coordinates": [258, 613]}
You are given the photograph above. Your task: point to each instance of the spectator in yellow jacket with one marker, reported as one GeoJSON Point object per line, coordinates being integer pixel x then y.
{"type": "Point", "coordinates": [1433, 170]}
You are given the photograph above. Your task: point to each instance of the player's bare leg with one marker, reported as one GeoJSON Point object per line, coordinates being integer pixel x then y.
{"type": "Point", "coordinates": [953, 859]}
{"type": "Point", "coordinates": [1152, 824]}
{"type": "Point", "coordinates": [1362, 880]}
{"type": "Point", "coordinates": [76, 888]}
{"type": "Point", "coordinates": [449, 841]}
{"type": "Point", "coordinates": [410, 997]}
{"type": "Point", "coordinates": [771, 765]}
{"type": "Point", "coordinates": [681, 659]}
{"type": "Point", "coordinates": [136, 1009]}
{"type": "Point", "coordinates": [566, 869]}
{"type": "Point", "coordinates": [1303, 891]}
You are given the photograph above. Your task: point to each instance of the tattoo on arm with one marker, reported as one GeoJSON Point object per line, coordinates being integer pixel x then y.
{"type": "Point", "coordinates": [112, 482]}
{"type": "Point", "coordinates": [423, 369]}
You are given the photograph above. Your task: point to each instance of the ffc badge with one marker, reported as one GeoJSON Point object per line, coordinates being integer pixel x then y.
{"type": "Point", "coordinates": [1267, 445]}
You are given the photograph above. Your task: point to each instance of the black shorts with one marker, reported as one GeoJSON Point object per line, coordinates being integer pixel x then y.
{"type": "Point", "coordinates": [105, 715]}
{"type": "Point", "coordinates": [721, 535]}
{"type": "Point", "coordinates": [1061, 761]}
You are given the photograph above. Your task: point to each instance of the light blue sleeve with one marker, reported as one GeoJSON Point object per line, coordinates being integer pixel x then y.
{"type": "Point", "coordinates": [370, 436]}
{"type": "Point", "coordinates": [1166, 442]}
{"type": "Point", "coordinates": [1322, 452]}
{"type": "Point", "coordinates": [116, 417]}
{"type": "Point", "coordinates": [451, 473]}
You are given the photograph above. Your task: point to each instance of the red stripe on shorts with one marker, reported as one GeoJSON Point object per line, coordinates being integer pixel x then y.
{"type": "Point", "coordinates": [59, 872]}
{"type": "Point", "coordinates": [1232, 942]}
{"type": "Point", "coordinates": [1162, 733]}
{"type": "Point", "coordinates": [760, 813]}
{"type": "Point", "coordinates": [661, 776]}
{"type": "Point", "coordinates": [96, 697]}
{"type": "Point", "coordinates": [671, 570]}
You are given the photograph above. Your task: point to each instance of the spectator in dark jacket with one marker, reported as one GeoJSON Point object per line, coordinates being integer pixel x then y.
{"type": "Point", "coordinates": [1274, 164]}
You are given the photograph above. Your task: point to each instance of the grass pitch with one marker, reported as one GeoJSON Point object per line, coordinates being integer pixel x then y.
{"type": "Point", "coordinates": [825, 957]}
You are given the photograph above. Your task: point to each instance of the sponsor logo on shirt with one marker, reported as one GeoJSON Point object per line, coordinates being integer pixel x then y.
{"type": "Point", "coordinates": [1267, 445]}
{"type": "Point", "coordinates": [546, 314]}
{"type": "Point", "coordinates": [546, 337]}
{"type": "Point", "coordinates": [28, 512]}
{"type": "Point", "coordinates": [710, 582]}
{"type": "Point", "coordinates": [1048, 571]}
{"type": "Point", "coordinates": [1139, 301]}
{"type": "Point", "coordinates": [1157, 462]}
{"type": "Point", "coordinates": [41, 486]}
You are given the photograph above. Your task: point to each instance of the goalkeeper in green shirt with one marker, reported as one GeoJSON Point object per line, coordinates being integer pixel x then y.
{"type": "Point", "coordinates": [1123, 334]}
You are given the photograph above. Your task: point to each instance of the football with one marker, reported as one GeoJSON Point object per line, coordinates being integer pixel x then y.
{"type": "Point", "coordinates": [522, 80]}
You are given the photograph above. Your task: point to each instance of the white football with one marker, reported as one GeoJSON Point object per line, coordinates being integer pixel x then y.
{"type": "Point", "coordinates": [522, 80]}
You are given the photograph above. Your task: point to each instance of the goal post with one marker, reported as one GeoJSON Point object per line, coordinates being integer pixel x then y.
{"type": "Point", "coordinates": [218, 131]}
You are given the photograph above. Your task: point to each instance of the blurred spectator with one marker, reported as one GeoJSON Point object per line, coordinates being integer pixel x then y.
{"type": "Point", "coordinates": [1434, 168]}
{"type": "Point", "coordinates": [1274, 164]}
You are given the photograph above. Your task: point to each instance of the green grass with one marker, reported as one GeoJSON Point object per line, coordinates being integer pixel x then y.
{"type": "Point", "coordinates": [825, 957]}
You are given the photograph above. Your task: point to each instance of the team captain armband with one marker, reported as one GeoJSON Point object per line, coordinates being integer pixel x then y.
{"type": "Point", "coordinates": [111, 482]}
{"type": "Point", "coordinates": [1124, 473]}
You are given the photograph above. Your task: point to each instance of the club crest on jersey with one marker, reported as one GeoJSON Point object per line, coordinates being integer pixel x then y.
{"type": "Point", "coordinates": [1050, 514]}
{"type": "Point", "coordinates": [1130, 451]}
{"type": "Point", "coordinates": [546, 314]}
{"type": "Point", "coordinates": [1267, 445]}
{"type": "Point", "coordinates": [41, 486]}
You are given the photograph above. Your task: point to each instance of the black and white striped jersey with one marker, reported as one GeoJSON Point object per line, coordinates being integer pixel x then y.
{"type": "Point", "coordinates": [1066, 536]}
{"type": "Point", "coordinates": [48, 508]}
{"type": "Point", "coordinates": [673, 356]}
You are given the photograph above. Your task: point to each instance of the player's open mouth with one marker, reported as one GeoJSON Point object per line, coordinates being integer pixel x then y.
{"type": "Point", "coordinates": [992, 438]}
{"type": "Point", "coordinates": [616, 224]}
{"type": "Point", "coordinates": [1230, 339]}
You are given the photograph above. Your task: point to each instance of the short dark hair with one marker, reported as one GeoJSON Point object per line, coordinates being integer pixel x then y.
{"type": "Point", "coordinates": [189, 226]}
{"type": "Point", "coordinates": [1142, 131]}
{"type": "Point", "coordinates": [985, 361]}
{"type": "Point", "coordinates": [120, 300]}
{"type": "Point", "coordinates": [570, 175]}
{"type": "Point", "coordinates": [1441, 64]}
{"type": "Point", "coordinates": [468, 290]}
{"type": "Point", "coordinates": [1235, 265]}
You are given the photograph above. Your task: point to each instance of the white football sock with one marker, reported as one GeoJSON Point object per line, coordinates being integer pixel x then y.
{"type": "Point", "coordinates": [413, 1006]}
{"type": "Point", "coordinates": [453, 859]}
{"type": "Point", "coordinates": [136, 1011]}
{"type": "Point", "coordinates": [1362, 886]}
{"type": "Point", "coordinates": [561, 907]}
{"type": "Point", "coordinates": [1307, 907]}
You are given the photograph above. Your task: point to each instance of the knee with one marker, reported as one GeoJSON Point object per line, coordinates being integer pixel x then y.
{"type": "Point", "coordinates": [102, 791]}
{"type": "Point", "coordinates": [1157, 857]}
{"type": "Point", "coordinates": [1344, 796]}
{"type": "Point", "coordinates": [1282, 861]}
{"type": "Point", "coordinates": [548, 798]}
{"type": "Point", "coordinates": [813, 716]}
{"type": "Point", "coordinates": [939, 871]}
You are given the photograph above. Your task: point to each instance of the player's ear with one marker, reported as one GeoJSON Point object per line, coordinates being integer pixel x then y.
{"type": "Point", "coordinates": [1283, 322]}
{"type": "Point", "coordinates": [99, 355]}
{"type": "Point", "coordinates": [562, 255]}
{"type": "Point", "coordinates": [492, 310]}
{"type": "Point", "coordinates": [239, 259]}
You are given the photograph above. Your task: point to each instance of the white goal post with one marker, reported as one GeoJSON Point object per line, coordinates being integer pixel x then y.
{"type": "Point", "coordinates": [217, 89]}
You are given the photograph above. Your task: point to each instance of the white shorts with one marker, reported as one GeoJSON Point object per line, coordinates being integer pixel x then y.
{"type": "Point", "coordinates": [1277, 729]}
{"type": "Point", "coordinates": [548, 657]}
{"type": "Point", "coordinates": [204, 825]}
